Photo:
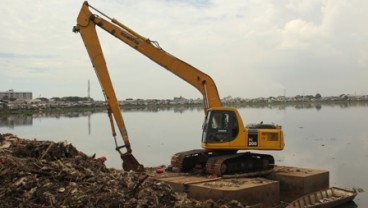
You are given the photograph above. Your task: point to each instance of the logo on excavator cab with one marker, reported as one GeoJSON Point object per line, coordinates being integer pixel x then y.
{"type": "Point", "coordinates": [253, 142]}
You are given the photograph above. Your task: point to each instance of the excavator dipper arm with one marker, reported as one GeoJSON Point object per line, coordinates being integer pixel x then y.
{"type": "Point", "coordinates": [90, 38]}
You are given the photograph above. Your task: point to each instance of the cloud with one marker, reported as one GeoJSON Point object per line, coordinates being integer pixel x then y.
{"type": "Point", "coordinates": [297, 34]}
{"type": "Point", "coordinates": [250, 48]}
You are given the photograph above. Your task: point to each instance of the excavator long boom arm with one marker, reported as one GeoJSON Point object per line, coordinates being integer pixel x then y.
{"type": "Point", "coordinates": [87, 21]}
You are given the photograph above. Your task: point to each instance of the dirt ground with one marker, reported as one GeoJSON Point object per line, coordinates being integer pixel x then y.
{"type": "Point", "coordinates": [55, 174]}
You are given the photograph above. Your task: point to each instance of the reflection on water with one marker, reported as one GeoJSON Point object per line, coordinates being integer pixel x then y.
{"type": "Point", "coordinates": [63, 114]}
{"type": "Point", "coordinates": [303, 105]}
{"type": "Point", "coordinates": [157, 108]}
{"type": "Point", "coordinates": [16, 120]}
{"type": "Point", "coordinates": [20, 120]}
{"type": "Point", "coordinates": [330, 137]}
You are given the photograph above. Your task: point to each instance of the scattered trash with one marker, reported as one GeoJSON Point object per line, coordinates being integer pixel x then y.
{"type": "Point", "coordinates": [55, 174]}
{"type": "Point", "coordinates": [160, 170]}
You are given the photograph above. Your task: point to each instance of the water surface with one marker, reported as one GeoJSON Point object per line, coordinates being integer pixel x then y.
{"type": "Point", "coordinates": [333, 138]}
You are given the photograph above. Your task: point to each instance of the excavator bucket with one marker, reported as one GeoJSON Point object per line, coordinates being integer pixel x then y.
{"type": "Point", "coordinates": [130, 163]}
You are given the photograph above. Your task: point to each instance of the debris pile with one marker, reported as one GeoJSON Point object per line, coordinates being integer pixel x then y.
{"type": "Point", "coordinates": [55, 174]}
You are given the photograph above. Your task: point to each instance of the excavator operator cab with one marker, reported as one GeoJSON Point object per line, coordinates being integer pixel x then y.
{"type": "Point", "coordinates": [220, 126]}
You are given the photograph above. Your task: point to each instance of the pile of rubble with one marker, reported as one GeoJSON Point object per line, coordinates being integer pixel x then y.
{"type": "Point", "coordinates": [55, 174]}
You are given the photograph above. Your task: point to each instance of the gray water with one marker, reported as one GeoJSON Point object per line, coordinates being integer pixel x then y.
{"type": "Point", "coordinates": [333, 138]}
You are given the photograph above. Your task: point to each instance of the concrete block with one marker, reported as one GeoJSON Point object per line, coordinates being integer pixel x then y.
{"type": "Point", "coordinates": [249, 191]}
{"type": "Point", "coordinates": [296, 182]}
{"type": "Point", "coordinates": [181, 183]}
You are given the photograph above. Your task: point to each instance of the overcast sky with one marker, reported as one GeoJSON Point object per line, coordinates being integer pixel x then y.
{"type": "Point", "coordinates": [251, 48]}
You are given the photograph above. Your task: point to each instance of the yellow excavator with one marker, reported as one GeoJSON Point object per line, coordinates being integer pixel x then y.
{"type": "Point", "coordinates": [224, 133]}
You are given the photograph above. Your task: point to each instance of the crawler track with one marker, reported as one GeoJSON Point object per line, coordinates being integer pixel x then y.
{"type": "Point", "coordinates": [186, 161]}
{"type": "Point", "coordinates": [249, 164]}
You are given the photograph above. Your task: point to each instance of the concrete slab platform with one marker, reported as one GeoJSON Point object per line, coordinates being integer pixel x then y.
{"type": "Point", "coordinates": [249, 191]}
{"type": "Point", "coordinates": [296, 182]}
{"type": "Point", "coordinates": [284, 184]}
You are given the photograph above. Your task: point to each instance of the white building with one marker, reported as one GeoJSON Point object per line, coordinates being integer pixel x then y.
{"type": "Point", "coordinates": [11, 94]}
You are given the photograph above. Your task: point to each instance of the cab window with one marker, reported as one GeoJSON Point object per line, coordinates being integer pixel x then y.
{"type": "Point", "coordinates": [220, 126]}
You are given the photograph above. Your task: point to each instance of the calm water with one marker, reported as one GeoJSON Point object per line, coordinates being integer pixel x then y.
{"type": "Point", "coordinates": [333, 138]}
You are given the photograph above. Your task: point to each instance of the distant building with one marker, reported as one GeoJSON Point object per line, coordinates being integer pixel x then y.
{"type": "Point", "coordinates": [11, 94]}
